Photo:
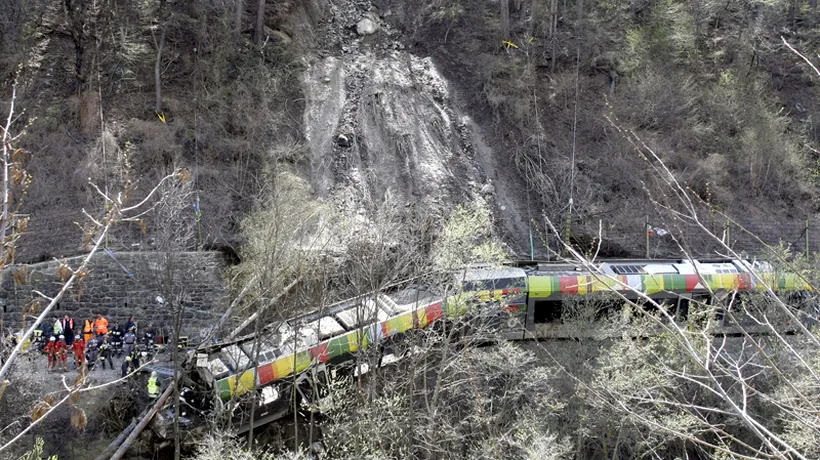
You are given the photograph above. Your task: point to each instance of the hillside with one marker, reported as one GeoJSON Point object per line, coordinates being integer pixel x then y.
{"type": "Point", "coordinates": [426, 104]}
{"type": "Point", "coordinates": [325, 149]}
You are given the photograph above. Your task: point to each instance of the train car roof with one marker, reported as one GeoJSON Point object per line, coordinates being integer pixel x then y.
{"type": "Point", "coordinates": [486, 273]}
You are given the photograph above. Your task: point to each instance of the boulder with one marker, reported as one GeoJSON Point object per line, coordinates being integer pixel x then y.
{"type": "Point", "coordinates": [343, 141]}
{"type": "Point", "coordinates": [488, 189]}
{"type": "Point", "coordinates": [366, 27]}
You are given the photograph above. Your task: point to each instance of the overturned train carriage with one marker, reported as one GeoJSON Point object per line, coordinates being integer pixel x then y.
{"type": "Point", "coordinates": [526, 301]}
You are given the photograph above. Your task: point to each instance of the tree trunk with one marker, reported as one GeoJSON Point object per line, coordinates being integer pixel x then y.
{"type": "Point", "coordinates": [553, 32]}
{"type": "Point", "coordinates": [176, 306]}
{"type": "Point", "coordinates": [259, 29]}
{"type": "Point", "coordinates": [240, 5]}
{"type": "Point", "coordinates": [7, 150]}
{"type": "Point", "coordinates": [158, 71]}
{"type": "Point", "coordinates": [76, 12]}
{"type": "Point", "coordinates": [505, 19]}
{"type": "Point", "coordinates": [177, 327]}
{"type": "Point", "coordinates": [255, 394]}
{"type": "Point", "coordinates": [79, 60]}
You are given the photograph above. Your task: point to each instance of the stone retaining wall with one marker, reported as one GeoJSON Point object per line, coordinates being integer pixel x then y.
{"type": "Point", "coordinates": [143, 284]}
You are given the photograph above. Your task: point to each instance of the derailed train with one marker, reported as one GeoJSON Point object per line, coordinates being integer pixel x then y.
{"type": "Point", "coordinates": [527, 300]}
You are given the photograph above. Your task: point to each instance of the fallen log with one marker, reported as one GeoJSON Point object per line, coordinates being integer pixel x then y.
{"type": "Point", "coordinates": [104, 454]}
{"type": "Point", "coordinates": [144, 422]}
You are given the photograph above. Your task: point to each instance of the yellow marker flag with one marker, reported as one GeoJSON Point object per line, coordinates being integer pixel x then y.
{"type": "Point", "coordinates": [161, 116]}
{"type": "Point", "coordinates": [509, 44]}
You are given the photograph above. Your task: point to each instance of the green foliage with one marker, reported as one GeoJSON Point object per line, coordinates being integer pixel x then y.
{"type": "Point", "coordinates": [801, 391]}
{"type": "Point", "coordinates": [36, 453]}
{"type": "Point", "coordinates": [285, 233]}
{"type": "Point", "coordinates": [477, 404]}
{"type": "Point", "coordinates": [218, 445]}
{"type": "Point", "coordinates": [467, 238]}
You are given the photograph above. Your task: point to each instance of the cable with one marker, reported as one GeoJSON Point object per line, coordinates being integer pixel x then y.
{"type": "Point", "coordinates": [197, 209]}
{"type": "Point", "coordinates": [574, 126]}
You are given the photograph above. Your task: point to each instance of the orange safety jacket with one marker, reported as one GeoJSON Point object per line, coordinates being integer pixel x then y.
{"type": "Point", "coordinates": [102, 326]}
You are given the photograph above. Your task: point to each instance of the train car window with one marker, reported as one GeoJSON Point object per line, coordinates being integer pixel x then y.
{"type": "Point", "coordinates": [797, 298]}
{"type": "Point", "coordinates": [606, 307]}
{"type": "Point", "coordinates": [701, 300]}
{"type": "Point", "coordinates": [475, 286]}
{"type": "Point", "coordinates": [547, 311]}
{"type": "Point", "coordinates": [492, 284]}
{"type": "Point", "coordinates": [721, 301]}
{"type": "Point", "coordinates": [804, 303]}
{"type": "Point", "coordinates": [682, 312]}
{"type": "Point", "coordinates": [269, 394]}
{"type": "Point", "coordinates": [235, 358]}
{"type": "Point", "coordinates": [267, 350]}
{"type": "Point", "coordinates": [628, 269]}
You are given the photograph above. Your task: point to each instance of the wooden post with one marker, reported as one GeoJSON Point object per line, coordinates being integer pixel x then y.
{"type": "Point", "coordinates": [646, 234]}
{"type": "Point", "coordinates": [807, 237]}
{"type": "Point", "coordinates": [726, 232]}
{"type": "Point", "coordinates": [568, 231]}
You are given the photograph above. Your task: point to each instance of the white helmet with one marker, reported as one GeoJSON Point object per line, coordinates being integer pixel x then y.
{"type": "Point", "coordinates": [52, 339]}
{"type": "Point", "coordinates": [153, 373]}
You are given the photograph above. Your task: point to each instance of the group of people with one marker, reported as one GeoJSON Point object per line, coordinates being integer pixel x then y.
{"type": "Point", "coordinates": [96, 343]}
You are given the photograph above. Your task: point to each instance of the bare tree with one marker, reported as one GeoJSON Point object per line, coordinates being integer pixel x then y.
{"type": "Point", "coordinates": [286, 237]}
{"type": "Point", "coordinates": [259, 26]}
{"type": "Point", "coordinates": [174, 232]}
{"type": "Point", "coordinates": [78, 13]}
{"type": "Point", "coordinates": [238, 13]}
{"type": "Point", "coordinates": [160, 45]}
{"type": "Point", "coordinates": [692, 389]}
{"type": "Point", "coordinates": [118, 210]}
{"type": "Point", "coordinates": [505, 19]}
{"type": "Point", "coordinates": [15, 179]}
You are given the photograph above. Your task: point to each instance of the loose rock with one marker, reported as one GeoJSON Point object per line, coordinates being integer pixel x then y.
{"type": "Point", "coordinates": [366, 27]}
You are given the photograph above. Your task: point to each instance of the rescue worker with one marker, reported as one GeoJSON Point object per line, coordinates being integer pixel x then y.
{"type": "Point", "coordinates": [68, 329]}
{"type": "Point", "coordinates": [88, 330]}
{"type": "Point", "coordinates": [135, 358]}
{"type": "Point", "coordinates": [131, 324]}
{"type": "Point", "coordinates": [57, 328]}
{"type": "Point", "coordinates": [153, 386]}
{"type": "Point", "coordinates": [116, 340]}
{"type": "Point", "coordinates": [62, 353]}
{"type": "Point", "coordinates": [150, 337]}
{"type": "Point", "coordinates": [129, 341]}
{"type": "Point", "coordinates": [126, 366]}
{"type": "Point", "coordinates": [91, 353]}
{"type": "Point", "coordinates": [37, 338]}
{"type": "Point", "coordinates": [106, 352]}
{"type": "Point", "coordinates": [79, 352]}
{"type": "Point", "coordinates": [51, 351]}
{"type": "Point", "coordinates": [101, 325]}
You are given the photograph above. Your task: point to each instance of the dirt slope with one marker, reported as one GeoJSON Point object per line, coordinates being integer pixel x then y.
{"type": "Point", "coordinates": [380, 120]}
